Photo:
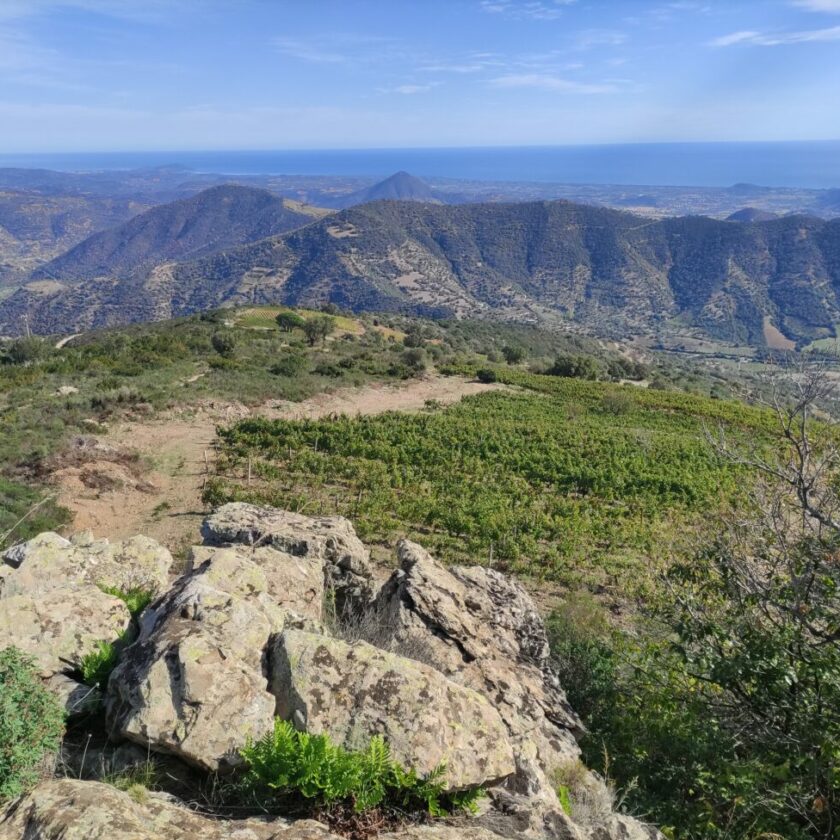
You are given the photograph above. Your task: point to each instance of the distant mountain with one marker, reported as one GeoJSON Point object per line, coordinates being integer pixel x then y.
{"type": "Point", "coordinates": [35, 228]}
{"type": "Point", "coordinates": [203, 224]}
{"type": "Point", "coordinates": [398, 187]}
{"type": "Point", "coordinates": [751, 214]}
{"type": "Point", "coordinates": [607, 269]}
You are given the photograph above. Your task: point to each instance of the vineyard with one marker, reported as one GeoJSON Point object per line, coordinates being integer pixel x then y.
{"type": "Point", "coordinates": [565, 479]}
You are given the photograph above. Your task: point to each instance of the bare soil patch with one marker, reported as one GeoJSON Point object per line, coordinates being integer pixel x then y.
{"type": "Point", "coordinates": [146, 476]}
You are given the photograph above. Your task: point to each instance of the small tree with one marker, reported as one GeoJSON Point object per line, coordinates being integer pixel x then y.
{"type": "Point", "coordinates": [513, 355]}
{"type": "Point", "coordinates": [224, 344]}
{"type": "Point", "coordinates": [318, 328]}
{"type": "Point", "coordinates": [288, 321]}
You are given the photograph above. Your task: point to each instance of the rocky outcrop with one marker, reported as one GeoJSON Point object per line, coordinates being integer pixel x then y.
{"type": "Point", "coordinates": [193, 684]}
{"type": "Point", "coordinates": [50, 561]}
{"type": "Point", "coordinates": [355, 691]}
{"type": "Point", "coordinates": [277, 615]}
{"type": "Point", "coordinates": [482, 630]}
{"type": "Point", "coordinates": [68, 809]}
{"type": "Point", "coordinates": [330, 540]}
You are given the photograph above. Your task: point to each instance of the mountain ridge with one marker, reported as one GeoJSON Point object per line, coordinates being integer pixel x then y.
{"type": "Point", "coordinates": [212, 220]}
{"type": "Point", "coordinates": [529, 261]}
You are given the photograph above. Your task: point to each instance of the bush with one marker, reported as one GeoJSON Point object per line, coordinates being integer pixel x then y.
{"type": "Point", "coordinates": [24, 350]}
{"type": "Point", "coordinates": [224, 344]}
{"type": "Point", "coordinates": [286, 761]}
{"type": "Point", "coordinates": [487, 376]}
{"type": "Point", "coordinates": [577, 367]}
{"type": "Point", "coordinates": [289, 364]}
{"type": "Point", "coordinates": [31, 723]}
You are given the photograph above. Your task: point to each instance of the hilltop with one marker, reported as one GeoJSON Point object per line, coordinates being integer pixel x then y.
{"type": "Point", "coordinates": [401, 186]}
{"type": "Point", "coordinates": [211, 221]}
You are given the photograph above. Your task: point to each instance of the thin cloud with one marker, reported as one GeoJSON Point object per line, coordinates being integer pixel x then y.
{"type": "Point", "coordinates": [830, 6]}
{"type": "Point", "coordinates": [544, 81]}
{"type": "Point", "coordinates": [526, 9]}
{"type": "Point", "coordinates": [410, 90]}
{"type": "Point", "coordinates": [765, 39]}
{"type": "Point", "coordinates": [305, 51]}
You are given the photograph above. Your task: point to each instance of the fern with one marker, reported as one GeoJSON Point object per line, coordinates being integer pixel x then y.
{"type": "Point", "coordinates": [287, 761]}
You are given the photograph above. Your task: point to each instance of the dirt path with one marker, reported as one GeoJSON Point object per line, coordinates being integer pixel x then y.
{"type": "Point", "coordinates": [112, 497]}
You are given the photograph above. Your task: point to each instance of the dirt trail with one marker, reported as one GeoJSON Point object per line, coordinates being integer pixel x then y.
{"type": "Point", "coordinates": [110, 499]}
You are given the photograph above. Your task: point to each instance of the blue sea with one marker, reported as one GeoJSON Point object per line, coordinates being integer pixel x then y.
{"type": "Point", "coordinates": [805, 164]}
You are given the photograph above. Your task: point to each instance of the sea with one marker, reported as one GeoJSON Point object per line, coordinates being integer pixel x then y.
{"type": "Point", "coordinates": [813, 164]}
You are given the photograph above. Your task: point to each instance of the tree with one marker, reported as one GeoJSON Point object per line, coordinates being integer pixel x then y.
{"type": "Point", "coordinates": [513, 355]}
{"type": "Point", "coordinates": [318, 328]}
{"type": "Point", "coordinates": [756, 620]}
{"type": "Point", "coordinates": [288, 321]}
{"type": "Point", "coordinates": [579, 367]}
{"type": "Point", "coordinates": [224, 344]}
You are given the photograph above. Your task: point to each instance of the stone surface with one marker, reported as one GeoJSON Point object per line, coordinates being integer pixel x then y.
{"type": "Point", "coordinates": [354, 692]}
{"type": "Point", "coordinates": [193, 684]}
{"type": "Point", "coordinates": [49, 561]}
{"type": "Point", "coordinates": [67, 809]}
{"type": "Point", "coordinates": [60, 626]}
{"type": "Point", "coordinates": [330, 540]}
{"type": "Point", "coordinates": [482, 630]}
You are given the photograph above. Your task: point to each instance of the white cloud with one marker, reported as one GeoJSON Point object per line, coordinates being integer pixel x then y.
{"type": "Point", "coordinates": [765, 39]}
{"type": "Point", "coordinates": [526, 9]}
{"type": "Point", "coordinates": [830, 6]}
{"type": "Point", "coordinates": [409, 90]}
{"type": "Point", "coordinates": [545, 81]}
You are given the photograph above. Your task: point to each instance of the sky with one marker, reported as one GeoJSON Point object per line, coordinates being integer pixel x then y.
{"type": "Point", "coordinates": [125, 75]}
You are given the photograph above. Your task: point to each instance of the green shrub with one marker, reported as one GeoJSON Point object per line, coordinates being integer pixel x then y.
{"type": "Point", "coordinates": [137, 598]}
{"type": "Point", "coordinates": [286, 761]}
{"type": "Point", "coordinates": [487, 376]}
{"type": "Point", "coordinates": [289, 364]}
{"type": "Point", "coordinates": [224, 344]}
{"type": "Point", "coordinates": [31, 723]}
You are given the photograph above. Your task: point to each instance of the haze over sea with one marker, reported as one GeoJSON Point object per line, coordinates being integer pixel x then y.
{"type": "Point", "coordinates": [790, 164]}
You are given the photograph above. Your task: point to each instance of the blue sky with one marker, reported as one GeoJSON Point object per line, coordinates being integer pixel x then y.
{"type": "Point", "coordinates": [100, 75]}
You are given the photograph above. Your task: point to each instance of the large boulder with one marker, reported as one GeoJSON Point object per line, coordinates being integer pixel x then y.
{"type": "Point", "coordinates": [353, 692]}
{"type": "Point", "coordinates": [329, 540]}
{"type": "Point", "coordinates": [482, 630]}
{"type": "Point", "coordinates": [194, 684]}
{"type": "Point", "coordinates": [68, 809]}
{"type": "Point", "coordinates": [58, 628]}
{"type": "Point", "coordinates": [50, 561]}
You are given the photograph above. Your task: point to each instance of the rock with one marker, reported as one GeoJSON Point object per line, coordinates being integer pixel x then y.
{"type": "Point", "coordinates": [482, 630]}
{"type": "Point", "coordinates": [60, 626]}
{"type": "Point", "coordinates": [330, 540]}
{"type": "Point", "coordinates": [353, 692]}
{"type": "Point", "coordinates": [66, 390]}
{"type": "Point", "coordinates": [68, 809]}
{"type": "Point", "coordinates": [49, 561]}
{"type": "Point", "coordinates": [194, 684]}
{"type": "Point", "coordinates": [77, 698]}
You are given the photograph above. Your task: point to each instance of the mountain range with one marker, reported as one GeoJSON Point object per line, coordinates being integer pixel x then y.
{"type": "Point", "coordinates": [608, 270]}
